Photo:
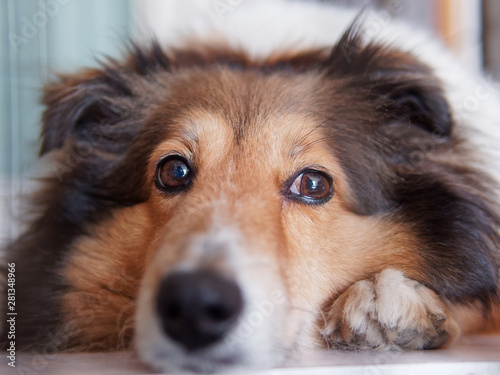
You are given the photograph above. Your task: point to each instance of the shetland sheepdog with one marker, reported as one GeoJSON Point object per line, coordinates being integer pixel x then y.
{"type": "Point", "coordinates": [232, 199]}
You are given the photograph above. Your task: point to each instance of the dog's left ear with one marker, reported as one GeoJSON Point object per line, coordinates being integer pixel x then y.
{"type": "Point", "coordinates": [402, 88]}
{"type": "Point", "coordinates": [389, 106]}
{"type": "Point", "coordinates": [416, 99]}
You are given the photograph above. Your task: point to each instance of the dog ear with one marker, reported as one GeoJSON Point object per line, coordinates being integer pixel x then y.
{"type": "Point", "coordinates": [77, 104]}
{"type": "Point", "coordinates": [415, 99]}
{"type": "Point", "coordinates": [404, 89]}
{"type": "Point", "coordinates": [390, 113]}
{"type": "Point", "coordinates": [82, 105]}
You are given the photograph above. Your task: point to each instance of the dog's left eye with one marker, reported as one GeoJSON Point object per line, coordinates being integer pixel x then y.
{"type": "Point", "coordinates": [311, 187]}
{"type": "Point", "coordinates": [173, 174]}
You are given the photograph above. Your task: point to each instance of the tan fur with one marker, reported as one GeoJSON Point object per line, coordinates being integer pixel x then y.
{"type": "Point", "coordinates": [314, 251]}
{"type": "Point", "coordinates": [105, 270]}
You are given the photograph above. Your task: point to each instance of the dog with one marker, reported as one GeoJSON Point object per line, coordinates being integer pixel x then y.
{"type": "Point", "coordinates": [226, 203]}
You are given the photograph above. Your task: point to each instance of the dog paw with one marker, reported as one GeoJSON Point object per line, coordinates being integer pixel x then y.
{"type": "Point", "coordinates": [389, 312]}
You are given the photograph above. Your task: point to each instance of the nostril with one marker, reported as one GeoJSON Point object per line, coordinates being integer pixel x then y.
{"type": "Point", "coordinates": [198, 308]}
{"type": "Point", "coordinates": [217, 313]}
{"type": "Point", "coordinates": [173, 311]}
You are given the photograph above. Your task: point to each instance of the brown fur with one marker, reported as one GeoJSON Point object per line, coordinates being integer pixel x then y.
{"type": "Point", "coordinates": [247, 127]}
{"type": "Point", "coordinates": [337, 247]}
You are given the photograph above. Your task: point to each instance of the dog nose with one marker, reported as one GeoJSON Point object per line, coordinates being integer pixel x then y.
{"type": "Point", "coordinates": [197, 308]}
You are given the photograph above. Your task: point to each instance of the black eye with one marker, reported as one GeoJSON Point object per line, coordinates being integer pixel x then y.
{"type": "Point", "coordinates": [173, 174]}
{"type": "Point", "coordinates": [312, 187]}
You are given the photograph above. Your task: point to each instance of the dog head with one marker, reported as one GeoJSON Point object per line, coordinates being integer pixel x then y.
{"type": "Point", "coordinates": [225, 200]}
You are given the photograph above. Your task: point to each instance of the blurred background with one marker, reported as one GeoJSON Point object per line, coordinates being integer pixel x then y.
{"type": "Point", "coordinates": [40, 37]}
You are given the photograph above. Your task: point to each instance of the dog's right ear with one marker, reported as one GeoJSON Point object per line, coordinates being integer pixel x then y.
{"type": "Point", "coordinates": [78, 104]}
{"type": "Point", "coordinates": [88, 103]}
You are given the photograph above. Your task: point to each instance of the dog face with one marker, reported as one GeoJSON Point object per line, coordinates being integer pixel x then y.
{"type": "Point", "coordinates": [256, 211]}
{"type": "Point", "coordinates": [222, 204]}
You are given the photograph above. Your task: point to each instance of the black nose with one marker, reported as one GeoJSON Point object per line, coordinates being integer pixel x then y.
{"type": "Point", "coordinates": [198, 308]}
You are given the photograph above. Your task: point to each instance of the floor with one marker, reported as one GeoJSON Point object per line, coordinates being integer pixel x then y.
{"type": "Point", "coordinates": [471, 355]}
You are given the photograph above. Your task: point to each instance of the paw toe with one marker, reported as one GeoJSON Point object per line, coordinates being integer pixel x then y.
{"type": "Point", "coordinates": [405, 337]}
{"type": "Point", "coordinates": [389, 311]}
{"type": "Point", "coordinates": [437, 341]}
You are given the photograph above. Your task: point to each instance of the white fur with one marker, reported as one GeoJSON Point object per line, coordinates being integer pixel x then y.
{"type": "Point", "coordinates": [389, 312]}
{"type": "Point", "coordinates": [254, 341]}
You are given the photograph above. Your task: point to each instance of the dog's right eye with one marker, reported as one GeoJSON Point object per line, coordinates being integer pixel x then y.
{"type": "Point", "coordinates": [173, 174]}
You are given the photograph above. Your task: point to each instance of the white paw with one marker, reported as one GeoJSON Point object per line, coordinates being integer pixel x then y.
{"type": "Point", "coordinates": [389, 312]}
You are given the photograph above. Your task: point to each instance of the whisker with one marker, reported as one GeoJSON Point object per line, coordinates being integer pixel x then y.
{"type": "Point", "coordinates": [316, 141]}
{"type": "Point", "coordinates": [320, 125]}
